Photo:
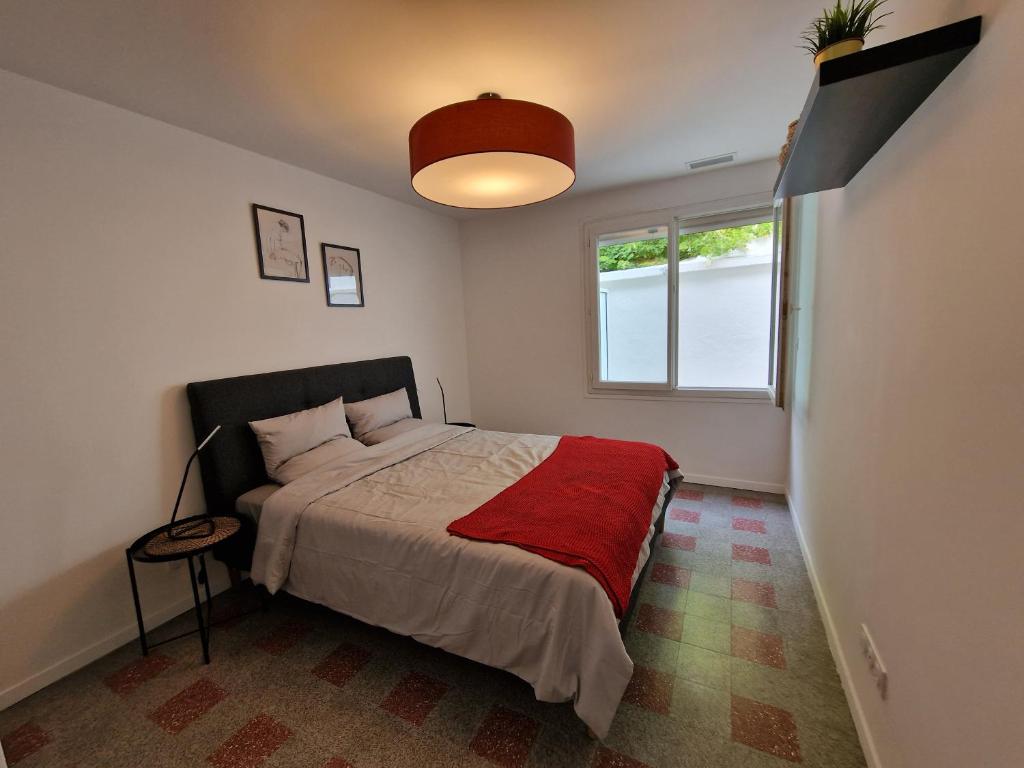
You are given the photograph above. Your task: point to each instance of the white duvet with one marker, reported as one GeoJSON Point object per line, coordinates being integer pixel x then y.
{"type": "Point", "coordinates": [366, 536]}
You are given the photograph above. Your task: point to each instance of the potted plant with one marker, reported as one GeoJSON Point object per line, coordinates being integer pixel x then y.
{"type": "Point", "coordinates": [841, 30]}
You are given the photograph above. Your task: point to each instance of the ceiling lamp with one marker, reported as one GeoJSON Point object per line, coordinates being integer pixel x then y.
{"type": "Point", "coordinates": [492, 153]}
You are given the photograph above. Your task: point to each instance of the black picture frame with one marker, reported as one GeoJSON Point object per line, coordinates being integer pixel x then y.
{"type": "Point", "coordinates": [275, 271]}
{"type": "Point", "coordinates": [350, 255]}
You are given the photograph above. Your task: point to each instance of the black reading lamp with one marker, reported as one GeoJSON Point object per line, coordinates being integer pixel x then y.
{"type": "Point", "coordinates": [444, 410]}
{"type": "Point", "coordinates": [197, 528]}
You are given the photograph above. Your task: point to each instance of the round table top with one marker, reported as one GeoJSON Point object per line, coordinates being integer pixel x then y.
{"type": "Point", "coordinates": [157, 545]}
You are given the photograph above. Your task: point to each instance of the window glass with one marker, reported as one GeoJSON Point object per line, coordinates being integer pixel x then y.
{"type": "Point", "coordinates": [725, 306]}
{"type": "Point", "coordinates": [633, 305]}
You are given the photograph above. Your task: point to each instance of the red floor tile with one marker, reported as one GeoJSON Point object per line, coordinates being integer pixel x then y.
{"type": "Point", "coordinates": [284, 637]}
{"type": "Point", "coordinates": [746, 501]}
{"type": "Point", "coordinates": [342, 664]}
{"type": "Point", "coordinates": [606, 758]}
{"type": "Point", "coordinates": [758, 592]}
{"type": "Point", "coordinates": [193, 702]}
{"type": "Point", "coordinates": [24, 741]}
{"type": "Point", "coordinates": [505, 737]}
{"type": "Point", "coordinates": [678, 541]}
{"type": "Point", "coordinates": [689, 495]}
{"type": "Point", "coordinates": [758, 647]}
{"type": "Point", "coordinates": [659, 621]}
{"type": "Point", "coordinates": [672, 575]}
{"type": "Point", "coordinates": [684, 515]}
{"type": "Point", "coordinates": [414, 698]}
{"type": "Point", "coordinates": [176, 698]}
{"type": "Point", "coordinates": [766, 728]}
{"type": "Point", "coordinates": [746, 524]}
{"type": "Point", "coordinates": [253, 743]}
{"type": "Point", "coordinates": [650, 689]}
{"type": "Point", "coordinates": [750, 554]}
{"type": "Point", "coordinates": [131, 676]}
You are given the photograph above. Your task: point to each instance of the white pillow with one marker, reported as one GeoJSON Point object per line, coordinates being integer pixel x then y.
{"type": "Point", "coordinates": [304, 463]}
{"type": "Point", "coordinates": [377, 412]}
{"type": "Point", "coordinates": [283, 437]}
{"type": "Point", "coordinates": [391, 430]}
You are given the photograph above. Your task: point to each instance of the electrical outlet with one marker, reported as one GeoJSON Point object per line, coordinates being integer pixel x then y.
{"type": "Point", "coordinates": [875, 666]}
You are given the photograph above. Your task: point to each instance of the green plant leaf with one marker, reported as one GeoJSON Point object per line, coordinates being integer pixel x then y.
{"type": "Point", "coordinates": [857, 19]}
{"type": "Point", "coordinates": [649, 253]}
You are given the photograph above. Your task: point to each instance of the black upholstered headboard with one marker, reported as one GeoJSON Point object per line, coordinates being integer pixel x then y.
{"type": "Point", "coordinates": [232, 464]}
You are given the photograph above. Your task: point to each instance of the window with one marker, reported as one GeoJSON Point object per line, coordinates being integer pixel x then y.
{"type": "Point", "coordinates": [705, 325]}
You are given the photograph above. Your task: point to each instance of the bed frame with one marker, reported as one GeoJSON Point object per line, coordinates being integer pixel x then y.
{"type": "Point", "coordinates": [659, 528]}
{"type": "Point", "coordinates": [231, 463]}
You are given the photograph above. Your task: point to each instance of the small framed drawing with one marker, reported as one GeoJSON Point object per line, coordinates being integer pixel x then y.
{"type": "Point", "coordinates": [343, 276]}
{"type": "Point", "coordinates": [281, 244]}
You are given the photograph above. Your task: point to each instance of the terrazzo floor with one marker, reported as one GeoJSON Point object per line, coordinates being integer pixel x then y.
{"type": "Point", "coordinates": [732, 669]}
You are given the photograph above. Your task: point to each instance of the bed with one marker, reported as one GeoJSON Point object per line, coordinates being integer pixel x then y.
{"type": "Point", "coordinates": [367, 537]}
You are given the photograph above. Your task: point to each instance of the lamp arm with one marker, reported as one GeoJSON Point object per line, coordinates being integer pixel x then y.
{"type": "Point", "coordinates": [181, 490]}
{"type": "Point", "coordinates": [184, 477]}
{"type": "Point", "coordinates": [444, 409]}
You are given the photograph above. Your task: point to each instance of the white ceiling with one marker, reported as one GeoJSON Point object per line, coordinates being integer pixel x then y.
{"type": "Point", "coordinates": [335, 86]}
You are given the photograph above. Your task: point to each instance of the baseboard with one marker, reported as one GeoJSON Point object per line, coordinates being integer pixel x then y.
{"type": "Point", "coordinates": [867, 742]}
{"type": "Point", "coordinates": [89, 654]}
{"type": "Point", "coordinates": [731, 482]}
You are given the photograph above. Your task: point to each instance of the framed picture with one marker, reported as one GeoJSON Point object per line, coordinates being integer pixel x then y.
{"type": "Point", "coordinates": [343, 275]}
{"type": "Point", "coordinates": [281, 244]}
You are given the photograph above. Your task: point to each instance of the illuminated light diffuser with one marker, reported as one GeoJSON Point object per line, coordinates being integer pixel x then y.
{"type": "Point", "coordinates": [492, 153]}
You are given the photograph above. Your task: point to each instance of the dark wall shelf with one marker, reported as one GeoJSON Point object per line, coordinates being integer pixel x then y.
{"type": "Point", "coordinates": [858, 101]}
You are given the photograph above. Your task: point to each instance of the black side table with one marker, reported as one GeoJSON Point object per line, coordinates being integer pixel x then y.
{"type": "Point", "coordinates": [156, 547]}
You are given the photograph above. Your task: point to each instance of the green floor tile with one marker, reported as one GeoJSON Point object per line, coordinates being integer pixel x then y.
{"type": "Point", "coordinates": [712, 635]}
{"type": "Point", "coordinates": [708, 606]}
{"type": "Point", "coordinates": [710, 584]}
{"type": "Point", "coordinates": [652, 651]}
{"type": "Point", "coordinates": [702, 666]}
{"type": "Point", "coordinates": [700, 706]}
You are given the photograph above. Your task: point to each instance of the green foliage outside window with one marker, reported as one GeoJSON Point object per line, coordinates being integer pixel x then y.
{"type": "Point", "coordinates": [649, 253]}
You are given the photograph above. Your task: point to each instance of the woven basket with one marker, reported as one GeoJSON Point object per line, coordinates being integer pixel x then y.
{"type": "Point", "coordinates": [161, 545]}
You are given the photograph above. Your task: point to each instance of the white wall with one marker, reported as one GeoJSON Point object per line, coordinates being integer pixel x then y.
{"type": "Point", "coordinates": [522, 271]}
{"type": "Point", "coordinates": [725, 309]}
{"type": "Point", "coordinates": [908, 417]}
{"type": "Point", "coordinates": [633, 324]}
{"type": "Point", "coordinates": [128, 269]}
{"type": "Point", "coordinates": [724, 322]}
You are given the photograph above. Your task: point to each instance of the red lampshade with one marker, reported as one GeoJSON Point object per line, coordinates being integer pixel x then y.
{"type": "Point", "coordinates": [492, 153]}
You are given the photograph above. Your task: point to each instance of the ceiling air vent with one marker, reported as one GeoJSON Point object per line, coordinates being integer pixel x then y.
{"type": "Point", "coordinates": [706, 162]}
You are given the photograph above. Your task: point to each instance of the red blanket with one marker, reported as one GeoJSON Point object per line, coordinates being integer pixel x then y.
{"type": "Point", "coordinates": [587, 505]}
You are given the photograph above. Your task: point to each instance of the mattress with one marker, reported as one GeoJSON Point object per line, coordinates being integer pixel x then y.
{"type": "Point", "coordinates": [250, 503]}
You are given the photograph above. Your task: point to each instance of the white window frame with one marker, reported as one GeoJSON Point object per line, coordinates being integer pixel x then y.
{"type": "Point", "coordinates": [690, 218]}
